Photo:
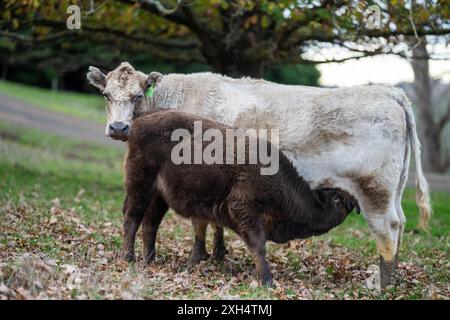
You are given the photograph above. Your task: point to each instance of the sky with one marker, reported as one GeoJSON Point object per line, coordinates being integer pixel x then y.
{"type": "Point", "coordinates": [390, 69]}
{"type": "Point", "coordinates": [378, 69]}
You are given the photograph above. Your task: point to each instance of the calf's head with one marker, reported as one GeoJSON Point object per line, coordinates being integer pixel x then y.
{"type": "Point", "coordinates": [337, 203]}
{"type": "Point", "coordinates": [124, 90]}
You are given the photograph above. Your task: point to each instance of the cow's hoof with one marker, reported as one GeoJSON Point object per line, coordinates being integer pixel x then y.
{"type": "Point", "coordinates": [386, 272]}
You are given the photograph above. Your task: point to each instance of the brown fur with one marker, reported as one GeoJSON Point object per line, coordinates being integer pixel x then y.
{"type": "Point", "coordinates": [279, 208]}
{"type": "Point", "coordinates": [376, 195]}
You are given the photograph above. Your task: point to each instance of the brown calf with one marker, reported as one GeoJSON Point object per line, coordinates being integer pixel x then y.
{"type": "Point", "coordinates": [257, 207]}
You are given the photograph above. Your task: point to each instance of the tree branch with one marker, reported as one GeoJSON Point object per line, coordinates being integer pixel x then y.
{"type": "Point", "coordinates": [320, 37]}
{"type": "Point", "coordinates": [163, 10]}
{"type": "Point", "coordinates": [389, 50]}
{"type": "Point", "coordinates": [175, 17]}
{"type": "Point", "coordinates": [314, 62]}
{"type": "Point", "coordinates": [163, 43]}
{"type": "Point", "coordinates": [30, 40]}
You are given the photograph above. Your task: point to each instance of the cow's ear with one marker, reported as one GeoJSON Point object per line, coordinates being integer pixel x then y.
{"type": "Point", "coordinates": [96, 77]}
{"type": "Point", "coordinates": [153, 79]}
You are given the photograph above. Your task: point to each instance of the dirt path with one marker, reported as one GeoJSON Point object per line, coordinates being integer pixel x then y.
{"type": "Point", "coordinates": [23, 114]}
{"type": "Point", "coordinates": [26, 115]}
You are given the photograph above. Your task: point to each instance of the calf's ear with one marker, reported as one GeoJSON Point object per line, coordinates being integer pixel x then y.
{"type": "Point", "coordinates": [321, 196]}
{"type": "Point", "coordinates": [153, 79]}
{"type": "Point", "coordinates": [96, 77]}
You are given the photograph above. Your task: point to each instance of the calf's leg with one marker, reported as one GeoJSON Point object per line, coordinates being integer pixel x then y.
{"type": "Point", "coordinates": [256, 241]}
{"type": "Point", "coordinates": [152, 219]}
{"type": "Point", "coordinates": [140, 189]}
{"type": "Point", "coordinates": [199, 250]}
{"type": "Point", "coordinates": [127, 252]}
{"type": "Point", "coordinates": [132, 219]}
{"type": "Point", "coordinates": [250, 227]}
{"type": "Point", "coordinates": [219, 249]}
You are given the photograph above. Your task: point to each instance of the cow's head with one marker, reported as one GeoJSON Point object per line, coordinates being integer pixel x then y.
{"type": "Point", "coordinates": [124, 90]}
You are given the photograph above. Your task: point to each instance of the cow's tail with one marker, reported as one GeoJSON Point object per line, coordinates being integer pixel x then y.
{"type": "Point", "coordinates": [422, 188]}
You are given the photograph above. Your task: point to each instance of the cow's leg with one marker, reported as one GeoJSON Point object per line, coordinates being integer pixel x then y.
{"type": "Point", "coordinates": [199, 250]}
{"type": "Point", "coordinates": [152, 219]}
{"type": "Point", "coordinates": [401, 217]}
{"type": "Point", "coordinates": [401, 229]}
{"type": "Point", "coordinates": [385, 227]}
{"type": "Point", "coordinates": [398, 200]}
{"type": "Point", "coordinates": [219, 249]}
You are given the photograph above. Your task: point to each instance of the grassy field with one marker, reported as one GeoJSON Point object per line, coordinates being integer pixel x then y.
{"type": "Point", "coordinates": [80, 105]}
{"type": "Point", "coordinates": [60, 234]}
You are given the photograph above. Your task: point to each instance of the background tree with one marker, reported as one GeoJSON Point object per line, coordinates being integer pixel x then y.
{"type": "Point", "coordinates": [236, 37]}
{"type": "Point", "coordinates": [432, 117]}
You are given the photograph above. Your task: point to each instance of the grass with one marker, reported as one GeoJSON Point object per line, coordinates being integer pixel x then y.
{"type": "Point", "coordinates": [80, 105]}
{"type": "Point", "coordinates": [60, 218]}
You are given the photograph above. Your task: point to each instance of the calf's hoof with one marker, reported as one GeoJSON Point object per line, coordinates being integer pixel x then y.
{"type": "Point", "coordinates": [195, 258]}
{"type": "Point", "coordinates": [148, 259]}
{"type": "Point", "coordinates": [268, 282]}
{"type": "Point", "coordinates": [218, 254]}
{"type": "Point", "coordinates": [129, 257]}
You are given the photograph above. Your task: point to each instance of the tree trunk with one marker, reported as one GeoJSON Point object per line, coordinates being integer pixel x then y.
{"type": "Point", "coordinates": [240, 69]}
{"type": "Point", "coordinates": [236, 59]}
{"type": "Point", "coordinates": [5, 70]}
{"type": "Point", "coordinates": [55, 84]}
{"type": "Point", "coordinates": [429, 134]}
{"type": "Point", "coordinates": [237, 68]}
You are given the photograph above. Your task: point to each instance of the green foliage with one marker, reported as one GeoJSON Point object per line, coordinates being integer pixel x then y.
{"type": "Point", "coordinates": [237, 38]}
{"type": "Point", "coordinates": [294, 74]}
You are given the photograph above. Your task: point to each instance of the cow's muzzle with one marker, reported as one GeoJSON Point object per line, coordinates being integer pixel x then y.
{"type": "Point", "coordinates": [119, 130]}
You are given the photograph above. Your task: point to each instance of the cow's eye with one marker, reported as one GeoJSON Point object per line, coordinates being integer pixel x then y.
{"type": "Point", "coordinates": [137, 98]}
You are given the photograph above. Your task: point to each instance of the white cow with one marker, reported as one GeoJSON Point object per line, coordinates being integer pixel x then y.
{"type": "Point", "coordinates": [358, 139]}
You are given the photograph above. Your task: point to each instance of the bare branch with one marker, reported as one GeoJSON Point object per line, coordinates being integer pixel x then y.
{"type": "Point", "coordinates": [163, 10]}
{"type": "Point", "coordinates": [305, 61]}
{"type": "Point", "coordinates": [174, 17]}
{"type": "Point", "coordinates": [388, 50]}
{"type": "Point", "coordinates": [367, 34]}
{"type": "Point", "coordinates": [92, 8]}
{"type": "Point", "coordinates": [411, 21]}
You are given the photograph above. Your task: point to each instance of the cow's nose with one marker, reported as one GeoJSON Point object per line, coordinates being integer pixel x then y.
{"type": "Point", "coordinates": [119, 128]}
